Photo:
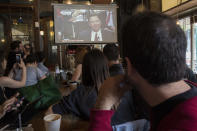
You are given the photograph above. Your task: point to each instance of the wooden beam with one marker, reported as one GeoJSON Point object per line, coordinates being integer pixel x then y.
{"type": "Point", "coordinates": [155, 5]}
{"type": "Point", "coordinates": [45, 40]}
{"type": "Point", "coordinates": [101, 1]}
{"type": "Point", "coordinates": [60, 1]}
{"type": "Point", "coordinates": [14, 10]}
{"type": "Point", "coordinates": [36, 29]}
{"type": "Point", "coordinates": [17, 5]}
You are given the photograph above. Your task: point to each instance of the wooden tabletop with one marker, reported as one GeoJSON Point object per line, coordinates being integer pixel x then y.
{"type": "Point", "coordinates": [68, 123]}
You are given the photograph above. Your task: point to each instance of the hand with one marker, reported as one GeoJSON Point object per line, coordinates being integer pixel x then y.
{"type": "Point", "coordinates": [15, 66]}
{"type": "Point", "coordinates": [21, 64]}
{"type": "Point", "coordinates": [7, 105]}
{"type": "Point", "coordinates": [111, 92]}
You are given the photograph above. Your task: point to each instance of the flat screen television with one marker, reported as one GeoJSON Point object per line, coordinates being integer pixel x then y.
{"type": "Point", "coordinates": [85, 23]}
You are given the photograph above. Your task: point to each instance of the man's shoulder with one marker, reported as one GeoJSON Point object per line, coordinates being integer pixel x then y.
{"type": "Point", "coordinates": [186, 108]}
{"type": "Point", "coordinates": [183, 116]}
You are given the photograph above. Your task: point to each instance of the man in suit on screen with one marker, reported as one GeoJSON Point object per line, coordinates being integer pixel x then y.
{"type": "Point", "coordinates": [96, 33]}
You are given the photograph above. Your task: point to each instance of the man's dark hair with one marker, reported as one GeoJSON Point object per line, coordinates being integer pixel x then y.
{"type": "Point", "coordinates": [40, 56]}
{"type": "Point", "coordinates": [15, 44]}
{"type": "Point", "coordinates": [156, 47]}
{"type": "Point", "coordinates": [30, 59]}
{"type": "Point", "coordinates": [93, 15]}
{"type": "Point", "coordinates": [94, 69]}
{"type": "Point", "coordinates": [111, 51]}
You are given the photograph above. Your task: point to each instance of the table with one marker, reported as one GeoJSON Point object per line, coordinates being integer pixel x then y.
{"type": "Point", "coordinates": [68, 123]}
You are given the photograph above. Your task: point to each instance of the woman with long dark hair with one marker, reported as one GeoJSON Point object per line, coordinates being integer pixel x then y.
{"type": "Point", "coordinates": [94, 72]}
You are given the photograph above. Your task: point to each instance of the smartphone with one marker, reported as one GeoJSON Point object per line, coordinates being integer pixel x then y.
{"type": "Point", "coordinates": [18, 58]}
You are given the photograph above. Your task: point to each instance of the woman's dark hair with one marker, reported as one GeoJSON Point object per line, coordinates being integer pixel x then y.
{"type": "Point", "coordinates": [30, 59]}
{"type": "Point", "coordinates": [2, 58]}
{"type": "Point", "coordinates": [94, 69]}
{"type": "Point", "coordinates": [40, 56]}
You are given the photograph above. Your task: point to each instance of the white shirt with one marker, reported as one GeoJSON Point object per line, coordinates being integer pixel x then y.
{"type": "Point", "coordinates": [93, 35]}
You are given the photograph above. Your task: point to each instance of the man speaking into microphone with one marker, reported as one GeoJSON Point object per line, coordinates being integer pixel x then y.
{"type": "Point", "coordinates": [95, 33]}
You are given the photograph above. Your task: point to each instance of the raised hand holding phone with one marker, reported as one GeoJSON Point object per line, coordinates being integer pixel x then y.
{"type": "Point", "coordinates": [18, 58]}
{"type": "Point", "coordinates": [21, 64]}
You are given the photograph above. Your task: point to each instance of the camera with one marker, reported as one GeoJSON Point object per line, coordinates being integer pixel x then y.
{"type": "Point", "coordinates": [18, 58]}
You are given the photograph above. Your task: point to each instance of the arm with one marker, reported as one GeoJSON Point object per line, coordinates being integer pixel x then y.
{"type": "Point", "coordinates": [68, 104]}
{"type": "Point", "coordinates": [8, 82]}
{"type": "Point", "coordinates": [100, 120]}
{"type": "Point", "coordinates": [77, 73]}
{"type": "Point", "coordinates": [77, 103]}
{"type": "Point", "coordinates": [109, 94]}
{"type": "Point", "coordinates": [41, 75]}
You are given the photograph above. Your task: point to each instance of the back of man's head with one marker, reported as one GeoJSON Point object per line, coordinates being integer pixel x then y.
{"type": "Point", "coordinates": [156, 47]}
{"type": "Point", "coordinates": [15, 44]}
{"type": "Point", "coordinates": [111, 51]}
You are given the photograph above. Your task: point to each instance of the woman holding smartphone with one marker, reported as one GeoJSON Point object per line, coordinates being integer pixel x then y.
{"type": "Point", "coordinates": [8, 82]}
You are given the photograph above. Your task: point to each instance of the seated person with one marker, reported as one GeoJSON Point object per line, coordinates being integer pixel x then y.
{"type": "Point", "coordinates": [80, 53]}
{"type": "Point", "coordinates": [41, 59]}
{"type": "Point", "coordinates": [8, 82]}
{"type": "Point", "coordinates": [79, 102]}
{"type": "Point", "coordinates": [34, 74]}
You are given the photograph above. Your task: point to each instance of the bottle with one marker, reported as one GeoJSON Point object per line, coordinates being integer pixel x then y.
{"type": "Point", "coordinates": [57, 73]}
{"type": "Point", "coordinates": [57, 69]}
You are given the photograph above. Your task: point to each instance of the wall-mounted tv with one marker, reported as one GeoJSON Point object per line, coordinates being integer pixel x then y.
{"type": "Point", "coordinates": [85, 23]}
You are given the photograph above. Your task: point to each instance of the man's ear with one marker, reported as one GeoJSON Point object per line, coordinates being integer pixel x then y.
{"type": "Point", "coordinates": [129, 67]}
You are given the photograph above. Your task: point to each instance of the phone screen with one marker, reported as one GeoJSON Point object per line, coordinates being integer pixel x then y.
{"type": "Point", "coordinates": [18, 58]}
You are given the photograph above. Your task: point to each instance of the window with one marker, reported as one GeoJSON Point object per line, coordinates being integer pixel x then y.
{"type": "Point", "coordinates": [194, 46]}
{"type": "Point", "coordinates": [189, 24]}
{"type": "Point", "coordinates": [186, 26]}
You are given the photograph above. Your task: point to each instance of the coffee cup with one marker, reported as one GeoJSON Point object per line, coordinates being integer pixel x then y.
{"type": "Point", "coordinates": [52, 122]}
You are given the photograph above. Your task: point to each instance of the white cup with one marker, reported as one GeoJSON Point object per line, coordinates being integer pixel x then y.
{"type": "Point", "coordinates": [52, 122]}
